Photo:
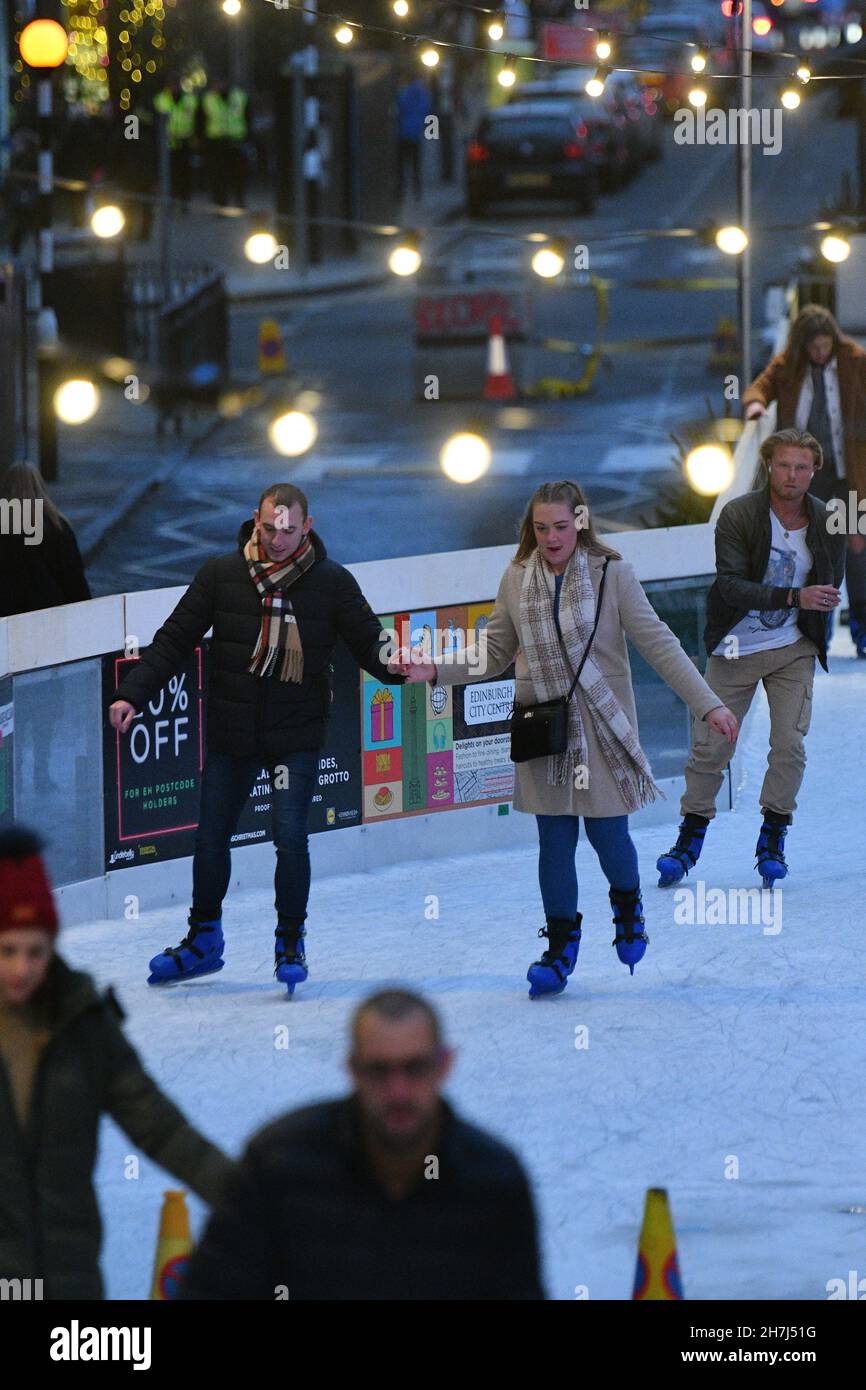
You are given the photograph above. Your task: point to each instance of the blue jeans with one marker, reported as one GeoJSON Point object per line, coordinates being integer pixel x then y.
{"type": "Point", "coordinates": [226, 784]}
{"type": "Point", "coordinates": [557, 843]}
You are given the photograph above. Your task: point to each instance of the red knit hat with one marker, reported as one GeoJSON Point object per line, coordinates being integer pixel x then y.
{"type": "Point", "coordinates": [26, 899]}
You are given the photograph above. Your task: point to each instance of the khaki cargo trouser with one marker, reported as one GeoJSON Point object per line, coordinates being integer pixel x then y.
{"type": "Point", "coordinates": [787, 674]}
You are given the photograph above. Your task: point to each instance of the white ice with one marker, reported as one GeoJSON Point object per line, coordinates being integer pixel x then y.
{"type": "Point", "coordinates": [733, 1047]}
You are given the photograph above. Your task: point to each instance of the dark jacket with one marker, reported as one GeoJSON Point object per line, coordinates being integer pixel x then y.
{"type": "Point", "coordinates": [261, 716]}
{"type": "Point", "coordinates": [41, 576]}
{"type": "Point", "coordinates": [50, 1227]}
{"type": "Point", "coordinates": [776, 384]}
{"type": "Point", "coordinates": [304, 1215]}
{"type": "Point", "coordinates": [743, 536]}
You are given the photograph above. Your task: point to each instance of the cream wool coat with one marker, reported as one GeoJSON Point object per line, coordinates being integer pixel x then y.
{"type": "Point", "coordinates": [625, 610]}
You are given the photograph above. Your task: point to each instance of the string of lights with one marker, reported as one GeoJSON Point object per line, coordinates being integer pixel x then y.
{"type": "Point", "coordinates": [344, 31]}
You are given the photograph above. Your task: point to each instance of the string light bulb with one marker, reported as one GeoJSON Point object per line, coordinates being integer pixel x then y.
{"type": "Point", "coordinates": [401, 8]}
{"type": "Point", "coordinates": [699, 61]}
{"type": "Point", "coordinates": [835, 247]}
{"type": "Point", "coordinates": [698, 95]}
{"type": "Point", "coordinates": [496, 29]}
{"type": "Point", "coordinates": [405, 259]}
{"type": "Point", "coordinates": [507, 76]}
{"type": "Point", "coordinates": [603, 48]}
{"type": "Point", "coordinates": [344, 34]}
{"type": "Point", "coordinates": [790, 98]}
{"type": "Point", "coordinates": [595, 85]}
{"type": "Point", "coordinates": [732, 240]}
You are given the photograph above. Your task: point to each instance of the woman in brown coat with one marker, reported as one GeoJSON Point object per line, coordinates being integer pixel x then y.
{"type": "Point", "coordinates": [543, 616]}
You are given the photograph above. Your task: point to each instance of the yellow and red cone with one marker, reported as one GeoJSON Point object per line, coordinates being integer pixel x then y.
{"type": "Point", "coordinates": [658, 1273]}
{"type": "Point", "coordinates": [173, 1247]}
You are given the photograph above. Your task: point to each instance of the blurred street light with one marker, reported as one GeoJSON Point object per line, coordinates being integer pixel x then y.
{"type": "Point", "coordinates": [405, 259]}
{"type": "Point", "coordinates": [465, 457]}
{"type": "Point", "coordinates": [107, 221]}
{"type": "Point", "coordinates": [293, 433]}
{"type": "Point", "coordinates": [76, 401]}
{"type": "Point", "coordinates": [732, 240]}
{"type": "Point", "coordinates": [261, 247]}
{"type": "Point", "coordinates": [835, 247]}
{"type": "Point", "coordinates": [549, 261]}
{"type": "Point", "coordinates": [43, 44]}
{"type": "Point", "coordinates": [710, 469]}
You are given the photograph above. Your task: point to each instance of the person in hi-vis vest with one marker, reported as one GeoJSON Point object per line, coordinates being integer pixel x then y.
{"type": "Point", "coordinates": [180, 109]}
{"type": "Point", "coordinates": [225, 115]}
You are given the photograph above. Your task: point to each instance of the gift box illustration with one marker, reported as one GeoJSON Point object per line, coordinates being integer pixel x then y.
{"type": "Point", "coordinates": [382, 716]}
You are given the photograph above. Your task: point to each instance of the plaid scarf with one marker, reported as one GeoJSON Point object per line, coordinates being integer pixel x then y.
{"type": "Point", "coordinates": [279, 630]}
{"type": "Point", "coordinates": [551, 676]}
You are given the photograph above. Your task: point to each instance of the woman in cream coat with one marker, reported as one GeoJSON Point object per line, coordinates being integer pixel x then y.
{"type": "Point", "coordinates": [543, 617]}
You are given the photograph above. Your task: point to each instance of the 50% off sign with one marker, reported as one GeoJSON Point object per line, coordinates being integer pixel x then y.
{"type": "Point", "coordinates": [167, 727]}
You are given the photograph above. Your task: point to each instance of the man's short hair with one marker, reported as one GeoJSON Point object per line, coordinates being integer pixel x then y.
{"type": "Point", "coordinates": [394, 1005]}
{"type": "Point", "coordinates": [799, 439]}
{"type": "Point", "coordinates": [285, 495]}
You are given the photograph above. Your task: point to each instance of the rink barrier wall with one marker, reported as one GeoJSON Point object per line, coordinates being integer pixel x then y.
{"type": "Point", "coordinates": [69, 643]}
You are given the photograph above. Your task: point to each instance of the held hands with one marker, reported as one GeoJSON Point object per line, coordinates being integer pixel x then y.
{"type": "Point", "coordinates": [724, 722]}
{"type": "Point", "coordinates": [413, 668]}
{"type": "Point", "coordinates": [121, 715]}
{"type": "Point", "coordinates": [823, 597]}
{"type": "Point", "coordinates": [755, 410]}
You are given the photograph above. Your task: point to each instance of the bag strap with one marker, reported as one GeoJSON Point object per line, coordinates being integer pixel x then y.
{"type": "Point", "coordinates": [592, 634]}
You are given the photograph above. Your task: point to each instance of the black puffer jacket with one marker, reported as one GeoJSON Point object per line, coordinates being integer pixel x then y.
{"type": "Point", "coordinates": [743, 536]}
{"type": "Point", "coordinates": [49, 1220]}
{"type": "Point", "coordinates": [261, 716]}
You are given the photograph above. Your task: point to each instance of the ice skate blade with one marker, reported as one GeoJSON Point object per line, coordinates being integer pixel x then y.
{"type": "Point", "coordinates": [188, 975]}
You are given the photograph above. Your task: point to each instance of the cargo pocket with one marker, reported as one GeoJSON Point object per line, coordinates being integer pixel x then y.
{"type": "Point", "coordinates": [804, 718]}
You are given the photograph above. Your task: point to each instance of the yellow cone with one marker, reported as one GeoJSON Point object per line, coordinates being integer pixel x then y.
{"type": "Point", "coordinates": [657, 1275]}
{"type": "Point", "coordinates": [173, 1246]}
{"type": "Point", "coordinates": [272, 356]}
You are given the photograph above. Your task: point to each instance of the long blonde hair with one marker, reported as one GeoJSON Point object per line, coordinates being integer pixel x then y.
{"type": "Point", "coordinates": [21, 482]}
{"type": "Point", "coordinates": [571, 495]}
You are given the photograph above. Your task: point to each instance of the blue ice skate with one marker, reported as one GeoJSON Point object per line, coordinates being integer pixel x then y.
{"type": "Point", "coordinates": [290, 962]}
{"type": "Point", "coordinates": [200, 953]}
{"type": "Point", "coordinates": [549, 975]}
{"type": "Point", "coordinates": [631, 940]}
{"type": "Point", "coordinates": [770, 849]}
{"type": "Point", "coordinates": [674, 865]}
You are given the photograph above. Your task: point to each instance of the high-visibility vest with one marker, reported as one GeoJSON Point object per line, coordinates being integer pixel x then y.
{"type": "Point", "coordinates": [236, 115]}
{"type": "Point", "coordinates": [180, 113]}
{"type": "Point", "coordinates": [215, 116]}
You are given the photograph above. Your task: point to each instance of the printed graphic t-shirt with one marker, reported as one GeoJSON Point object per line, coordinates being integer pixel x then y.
{"type": "Point", "coordinates": [787, 568]}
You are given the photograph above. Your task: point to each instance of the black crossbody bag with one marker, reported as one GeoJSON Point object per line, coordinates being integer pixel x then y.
{"type": "Point", "coordinates": [539, 730]}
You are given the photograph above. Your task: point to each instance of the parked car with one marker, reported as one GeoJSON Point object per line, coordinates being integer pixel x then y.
{"type": "Point", "coordinates": [607, 137]}
{"type": "Point", "coordinates": [528, 150]}
{"type": "Point", "coordinates": [628, 103]}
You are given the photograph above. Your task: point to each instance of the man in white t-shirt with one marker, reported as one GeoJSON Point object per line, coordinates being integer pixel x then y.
{"type": "Point", "coordinates": [778, 571]}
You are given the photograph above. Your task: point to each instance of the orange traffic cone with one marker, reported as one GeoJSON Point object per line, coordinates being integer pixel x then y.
{"type": "Point", "coordinates": [658, 1273]}
{"type": "Point", "coordinates": [173, 1246]}
{"type": "Point", "coordinates": [272, 354]}
{"type": "Point", "coordinates": [499, 383]}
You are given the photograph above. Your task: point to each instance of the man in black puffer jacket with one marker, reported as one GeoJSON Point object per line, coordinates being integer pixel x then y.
{"type": "Point", "coordinates": [277, 605]}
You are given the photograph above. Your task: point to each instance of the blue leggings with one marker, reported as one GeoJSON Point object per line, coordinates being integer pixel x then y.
{"type": "Point", "coordinates": [557, 843]}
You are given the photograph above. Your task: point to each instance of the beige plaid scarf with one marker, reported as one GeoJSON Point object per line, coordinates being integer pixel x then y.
{"type": "Point", "coordinates": [552, 670]}
{"type": "Point", "coordinates": [278, 635]}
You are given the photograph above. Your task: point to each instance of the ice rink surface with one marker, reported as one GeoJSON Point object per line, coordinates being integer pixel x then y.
{"type": "Point", "coordinates": [738, 1047]}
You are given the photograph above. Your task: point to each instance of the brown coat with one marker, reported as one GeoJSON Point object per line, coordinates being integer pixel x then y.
{"type": "Point", "coordinates": [625, 610]}
{"type": "Point", "coordinates": [774, 385]}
